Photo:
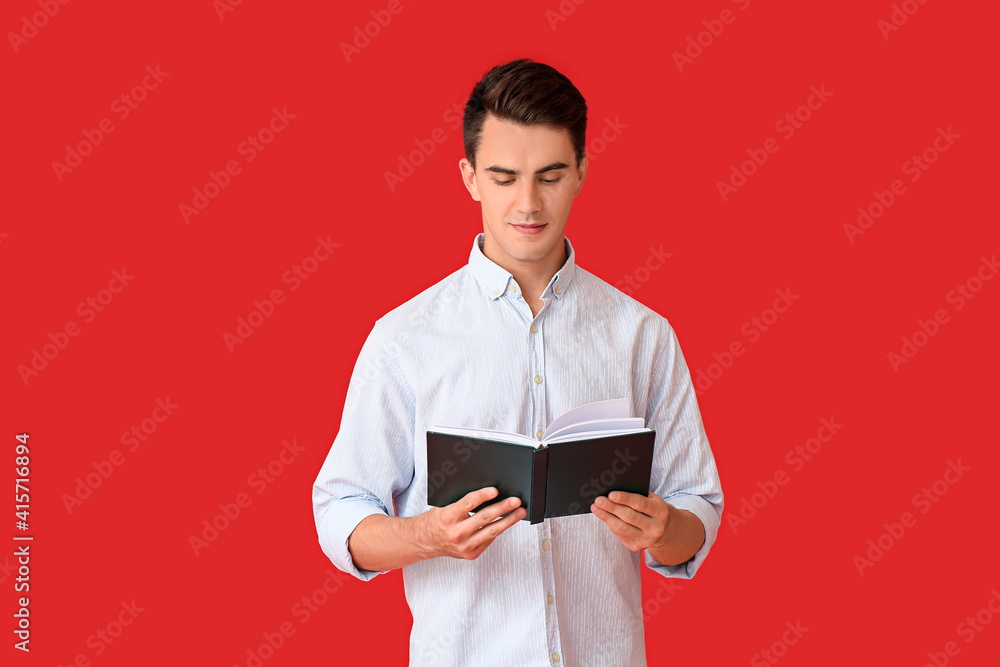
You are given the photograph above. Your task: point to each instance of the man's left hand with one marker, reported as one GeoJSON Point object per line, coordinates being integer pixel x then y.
{"type": "Point", "coordinates": [640, 522]}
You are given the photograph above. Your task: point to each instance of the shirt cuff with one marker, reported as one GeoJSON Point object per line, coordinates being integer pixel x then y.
{"type": "Point", "coordinates": [710, 518]}
{"type": "Point", "coordinates": [336, 526]}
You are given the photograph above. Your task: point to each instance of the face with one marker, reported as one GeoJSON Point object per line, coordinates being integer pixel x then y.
{"type": "Point", "coordinates": [526, 178]}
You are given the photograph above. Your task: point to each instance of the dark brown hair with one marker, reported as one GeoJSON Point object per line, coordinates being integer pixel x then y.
{"type": "Point", "coordinates": [527, 93]}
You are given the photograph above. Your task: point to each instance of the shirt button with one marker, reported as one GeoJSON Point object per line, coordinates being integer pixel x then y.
{"type": "Point", "coordinates": [555, 657]}
{"type": "Point", "coordinates": [545, 545]}
{"type": "Point", "coordinates": [538, 379]}
{"type": "Point", "coordinates": [511, 288]}
{"type": "Point", "coordinates": [558, 291]}
{"type": "Point", "coordinates": [534, 329]}
{"type": "Point", "coordinates": [496, 291]}
{"type": "Point", "coordinates": [550, 599]}
{"type": "Point", "coordinates": [538, 434]}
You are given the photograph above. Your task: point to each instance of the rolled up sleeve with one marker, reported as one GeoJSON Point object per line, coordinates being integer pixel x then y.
{"type": "Point", "coordinates": [684, 472]}
{"type": "Point", "coordinates": [371, 459]}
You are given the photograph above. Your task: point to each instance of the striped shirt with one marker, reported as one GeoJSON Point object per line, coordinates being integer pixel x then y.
{"type": "Point", "coordinates": [468, 352]}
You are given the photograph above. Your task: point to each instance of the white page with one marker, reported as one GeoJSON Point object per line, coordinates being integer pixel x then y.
{"type": "Point", "coordinates": [486, 434]}
{"type": "Point", "coordinates": [615, 408]}
{"type": "Point", "coordinates": [589, 435]}
{"type": "Point", "coordinates": [612, 409]}
{"type": "Point", "coordinates": [598, 425]}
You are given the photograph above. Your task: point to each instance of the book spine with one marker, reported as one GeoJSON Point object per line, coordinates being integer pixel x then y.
{"type": "Point", "coordinates": [539, 477]}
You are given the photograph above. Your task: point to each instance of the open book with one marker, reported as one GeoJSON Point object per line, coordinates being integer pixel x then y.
{"type": "Point", "coordinates": [587, 452]}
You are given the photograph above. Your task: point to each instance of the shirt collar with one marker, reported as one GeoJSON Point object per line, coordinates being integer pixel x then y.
{"type": "Point", "coordinates": [494, 279]}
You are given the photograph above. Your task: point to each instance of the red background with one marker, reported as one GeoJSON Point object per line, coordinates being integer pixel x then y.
{"type": "Point", "coordinates": [654, 185]}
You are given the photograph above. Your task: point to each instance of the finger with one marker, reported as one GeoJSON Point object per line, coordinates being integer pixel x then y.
{"type": "Point", "coordinates": [489, 514]}
{"type": "Point", "coordinates": [617, 526]}
{"type": "Point", "coordinates": [459, 510]}
{"type": "Point", "coordinates": [494, 529]}
{"type": "Point", "coordinates": [634, 500]}
{"type": "Point", "coordinates": [642, 522]}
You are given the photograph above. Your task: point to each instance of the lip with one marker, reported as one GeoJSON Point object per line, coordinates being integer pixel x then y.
{"type": "Point", "coordinates": [529, 229]}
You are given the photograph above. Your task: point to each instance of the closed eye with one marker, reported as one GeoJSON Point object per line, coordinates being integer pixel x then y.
{"type": "Point", "coordinates": [543, 180]}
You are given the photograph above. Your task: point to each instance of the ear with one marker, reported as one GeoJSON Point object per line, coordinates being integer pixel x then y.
{"type": "Point", "coordinates": [469, 178]}
{"type": "Point", "coordinates": [581, 174]}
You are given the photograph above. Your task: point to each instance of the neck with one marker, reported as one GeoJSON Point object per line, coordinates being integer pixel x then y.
{"type": "Point", "coordinates": [532, 276]}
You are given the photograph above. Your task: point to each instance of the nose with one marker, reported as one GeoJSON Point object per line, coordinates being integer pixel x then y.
{"type": "Point", "coordinates": [529, 201]}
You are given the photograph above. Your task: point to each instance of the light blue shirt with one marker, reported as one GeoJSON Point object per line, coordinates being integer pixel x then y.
{"type": "Point", "coordinates": [468, 352]}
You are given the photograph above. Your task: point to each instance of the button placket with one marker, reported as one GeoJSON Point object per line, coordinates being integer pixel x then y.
{"type": "Point", "coordinates": [536, 382]}
{"type": "Point", "coordinates": [536, 348]}
{"type": "Point", "coordinates": [548, 584]}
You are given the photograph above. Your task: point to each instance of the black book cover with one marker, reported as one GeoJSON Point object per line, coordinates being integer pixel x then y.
{"type": "Point", "coordinates": [557, 479]}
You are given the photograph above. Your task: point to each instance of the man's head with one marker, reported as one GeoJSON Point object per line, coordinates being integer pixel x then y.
{"type": "Point", "coordinates": [524, 130]}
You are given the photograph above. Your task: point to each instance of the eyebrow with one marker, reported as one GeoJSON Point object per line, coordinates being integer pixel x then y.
{"type": "Point", "coordinates": [497, 169]}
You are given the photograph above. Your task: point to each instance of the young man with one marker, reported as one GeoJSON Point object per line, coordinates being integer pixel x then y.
{"type": "Point", "coordinates": [513, 339]}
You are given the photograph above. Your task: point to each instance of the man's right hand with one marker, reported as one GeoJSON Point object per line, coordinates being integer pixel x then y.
{"type": "Point", "coordinates": [450, 531]}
